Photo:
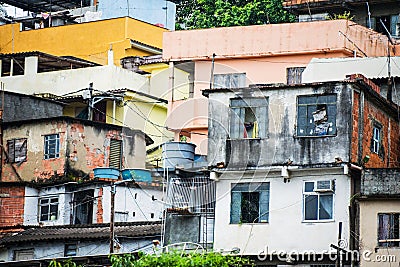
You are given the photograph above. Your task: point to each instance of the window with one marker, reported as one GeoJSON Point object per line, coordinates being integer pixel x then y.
{"type": "Point", "coordinates": [51, 146]}
{"type": "Point", "coordinates": [316, 115]}
{"type": "Point", "coordinates": [376, 141]}
{"type": "Point", "coordinates": [83, 207]}
{"type": "Point", "coordinates": [17, 150]}
{"type": "Point", "coordinates": [294, 75]}
{"type": "Point", "coordinates": [48, 209]}
{"type": "Point", "coordinates": [390, 23]}
{"type": "Point", "coordinates": [250, 203]}
{"type": "Point", "coordinates": [249, 118]}
{"type": "Point", "coordinates": [318, 200]}
{"type": "Point", "coordinates": [230, 80]}
{"type": "Point", "coordinates": [70, 250]}
{"type": "Point", "coordinates": [24, 254]}
{"type": "Point", "coordinates": [115, 153]}
{"type": "Point", "coordinates": [388, 230]}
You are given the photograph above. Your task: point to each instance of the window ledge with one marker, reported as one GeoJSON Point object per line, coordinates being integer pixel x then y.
{"type": "Point", "coordinates": [236, 139]}
{"type": "Point", "coordinates": [317, 221]}
{"type": "Point", "coordinates": [239, 224]}
{"type": "Point", "coordinates": [314, 136]}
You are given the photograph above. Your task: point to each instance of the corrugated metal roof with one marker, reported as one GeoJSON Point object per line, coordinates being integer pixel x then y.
{"type": "Point", "coordinates": [336, 69]}
{"type": "Point", "coordinates": [79, 232]}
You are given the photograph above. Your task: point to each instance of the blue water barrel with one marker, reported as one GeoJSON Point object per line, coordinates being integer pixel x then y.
{"type": "Point", "coordinates": [138, 175]}
{"type": "Point", "coordinates": [106, 172]}
{"type": "Point", "coordinates": [177, 153]}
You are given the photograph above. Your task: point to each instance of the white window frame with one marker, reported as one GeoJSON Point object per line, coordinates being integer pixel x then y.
{"type": "Point", "coordinates": [49, 204]}
{"type": "Point", "coordinates": [318, 194]}
{"type": "Point", "coordinates": [51, 140]}
{"type": "Point", "coordinates": [376, 138]}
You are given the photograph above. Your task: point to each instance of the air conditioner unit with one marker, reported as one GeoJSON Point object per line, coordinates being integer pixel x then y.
{"type": "Point", "coordinates": [325, 186]}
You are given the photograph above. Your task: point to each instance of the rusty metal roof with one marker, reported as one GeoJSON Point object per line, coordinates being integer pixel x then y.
{"type": "Point", "coordinates": [79, 232]}
{"type": "Point", "coordinates": [47, 5]}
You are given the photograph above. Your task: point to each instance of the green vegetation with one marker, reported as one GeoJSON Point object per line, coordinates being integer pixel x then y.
{"type": "Point", "coordinates": [212, 259]}
{"type": "Point", "coordinates": [178, 259]}
{"type": "Point", "coordinates": [196, 14]}
{"type": "Point", "coordinates": [345, 15]}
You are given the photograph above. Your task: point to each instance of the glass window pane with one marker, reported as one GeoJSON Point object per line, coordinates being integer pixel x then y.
{"type": "Point", "coordinates": [309, 187]}
{"type": "Point", "coordinates": [250, 207]}
{"type": "Point", "coordinates": [310, 207]}
{"type": "Point", "coordinates": [325, 207]}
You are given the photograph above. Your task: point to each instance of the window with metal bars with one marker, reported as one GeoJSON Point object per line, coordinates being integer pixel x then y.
{"type": "Point", "coordinates": [51, 146]}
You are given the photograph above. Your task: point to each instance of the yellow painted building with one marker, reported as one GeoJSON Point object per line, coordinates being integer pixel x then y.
{"type": "Point", "coordinates": [90, 40]}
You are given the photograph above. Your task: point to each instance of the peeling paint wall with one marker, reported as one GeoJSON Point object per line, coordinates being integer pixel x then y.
{"type": "Point", "coordinates": [82, 148]}
{"type": "Point", "coordinates": [281, 144]}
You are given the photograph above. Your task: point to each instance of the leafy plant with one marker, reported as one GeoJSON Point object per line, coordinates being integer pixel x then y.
{"type": "Point", "coordinates": [66, 263]}
{"type": "Point", "coordinates": [194, 14]}
{"type": "Point", "coordinates": [180, 259]}
{"type": "Point", "coordinates": [346, 15]}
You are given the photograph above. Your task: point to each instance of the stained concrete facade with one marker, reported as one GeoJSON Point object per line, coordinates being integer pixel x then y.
{"type": "Point", "coordinates": [287, 159]}
{"type": "Point", "coordinates": [260, 58]}
{"type": "Point", "coordinates": [19, 106]}
{"type": "Point", "coordinates": [83, 146]}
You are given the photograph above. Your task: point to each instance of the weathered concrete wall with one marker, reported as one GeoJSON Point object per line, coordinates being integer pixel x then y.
{"type": "Point", "coordinates": [180, 228]}
{"type": "Point", "coordinates": [282, 143]}
{"type": "Point", "coordinates": [83, 146]}
{"type": "Point", "coordinates": [381, 182]}
{"type": "Point", "coordinates": [24, 107]}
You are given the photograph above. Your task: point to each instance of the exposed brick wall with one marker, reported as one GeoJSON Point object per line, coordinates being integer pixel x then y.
{"type": "Point", "coordinates": [12, 205]}
{"type": "Point", "coordinates": [99, 214]}
{"type": "Point", "coordinates": [373, 113]}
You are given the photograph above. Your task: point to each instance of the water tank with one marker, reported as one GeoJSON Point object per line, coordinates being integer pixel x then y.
{"type": "Point", "coordinates": [138, 175]}
{"type": "Point", "coordinates": [177, 153]}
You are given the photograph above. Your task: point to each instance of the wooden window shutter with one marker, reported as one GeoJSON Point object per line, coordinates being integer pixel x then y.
{"type": "Point", "coordinates": [115, 153]}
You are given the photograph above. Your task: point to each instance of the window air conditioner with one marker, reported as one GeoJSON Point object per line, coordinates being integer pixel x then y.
{"type": "Point", "coordinates": [325, 186]}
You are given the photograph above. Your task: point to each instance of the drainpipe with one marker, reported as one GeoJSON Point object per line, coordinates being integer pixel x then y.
{"type": "Point", "coordinates": [171, 80]}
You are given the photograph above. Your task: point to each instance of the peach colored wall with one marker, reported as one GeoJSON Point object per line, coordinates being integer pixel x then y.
{"type": "Point", "coordinates": [272, 39]}
{"type": "Point", "coordinates": [371, 253]}
{"type": "Point", "coordinates": [263, 52]}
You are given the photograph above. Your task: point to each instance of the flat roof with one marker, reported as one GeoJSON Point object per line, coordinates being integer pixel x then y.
{"type": "Point", "coordinates": [47, 5]}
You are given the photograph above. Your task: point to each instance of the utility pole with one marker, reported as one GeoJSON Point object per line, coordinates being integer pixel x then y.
{"type": "Point", "coordinates": [113, 191]}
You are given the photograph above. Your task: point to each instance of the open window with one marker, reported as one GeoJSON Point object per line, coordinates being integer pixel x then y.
{"type": "Point", "coordinates": [83, 207]}
{"type": "Point", "coordinates": [249, 203]}
{"type": "Point", "coordinates": [249, 118]}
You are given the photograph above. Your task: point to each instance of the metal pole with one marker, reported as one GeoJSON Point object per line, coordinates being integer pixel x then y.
{"type": "Point", "coordinates": [113, 189]}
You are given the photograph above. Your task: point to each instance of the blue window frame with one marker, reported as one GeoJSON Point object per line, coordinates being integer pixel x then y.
{"type": "Point", "coordinates": [316, 115]}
